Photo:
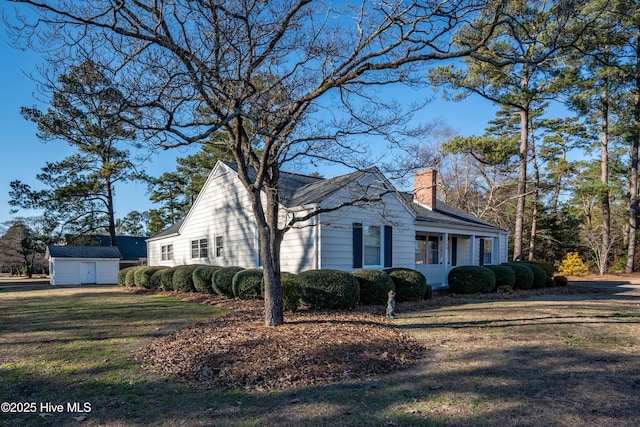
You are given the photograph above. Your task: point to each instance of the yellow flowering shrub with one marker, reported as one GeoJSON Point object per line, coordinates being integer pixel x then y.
{"type": "Point", "coordinates": [573, 265]}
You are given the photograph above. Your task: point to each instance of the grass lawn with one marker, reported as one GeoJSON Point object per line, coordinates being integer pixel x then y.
{"type": "Point", "coordinates": [565, 360]}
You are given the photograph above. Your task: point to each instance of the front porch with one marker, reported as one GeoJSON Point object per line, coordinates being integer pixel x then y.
{"type": "Point", "coordinates": [437, 253]}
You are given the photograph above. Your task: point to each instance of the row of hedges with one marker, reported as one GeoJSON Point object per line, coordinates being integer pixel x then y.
{"type": "Point", "coordinates": [318, 289]}
{"type": "Point", "coordinates": [505, 277]}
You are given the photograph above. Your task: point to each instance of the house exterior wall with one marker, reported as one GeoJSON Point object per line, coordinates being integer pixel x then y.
{"type": "Point", "coordinates": [72, 271]}
{"type": "Point", "coordinates": [336, 234]}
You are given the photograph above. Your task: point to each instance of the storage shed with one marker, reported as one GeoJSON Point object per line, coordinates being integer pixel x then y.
{"type": "Point", "coordinates": [83, 265]}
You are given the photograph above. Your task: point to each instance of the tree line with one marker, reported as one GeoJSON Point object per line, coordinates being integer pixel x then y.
{"type": "Point", "coordinates": [282, 83]}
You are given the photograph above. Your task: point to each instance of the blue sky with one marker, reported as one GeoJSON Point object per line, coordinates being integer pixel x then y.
{"type": "Point", "coordinates": [24, 154]}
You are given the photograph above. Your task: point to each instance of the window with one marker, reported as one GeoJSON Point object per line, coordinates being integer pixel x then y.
{"type": "Point", "coordinates": [219, 246]}
{"type": "Point", "coordinates": [166, 252]}
{"type": "Point", "coordinates": [486, 251]}
{"type": "Point", "coordinates": [199, 248]}
{"type": "Point", "coordinates": [372, 246]}
{"type": "Point", "coordinates": [428, 249]}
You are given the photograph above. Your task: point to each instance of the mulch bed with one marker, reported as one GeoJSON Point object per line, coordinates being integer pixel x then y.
{"type": "Point", "coordinates": [311, 348]}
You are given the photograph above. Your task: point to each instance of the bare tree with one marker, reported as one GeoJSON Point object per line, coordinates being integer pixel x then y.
{"type": "Point", "coordinates": [285, 80]}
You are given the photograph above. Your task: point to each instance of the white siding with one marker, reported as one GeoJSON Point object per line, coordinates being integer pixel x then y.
{"type": "Point", "coordinates": [70, 271]}
{"type": "Point", "coordinates": [336, 235]}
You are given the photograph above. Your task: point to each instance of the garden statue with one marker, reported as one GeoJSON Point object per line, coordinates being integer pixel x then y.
{"type": "Point", "coordinates": [391, 305]}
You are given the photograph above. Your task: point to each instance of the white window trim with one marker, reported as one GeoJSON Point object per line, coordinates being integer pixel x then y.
{"type": "Point", "coordinates": [164, 252]}
{"type": "Point", "coordinates": [216, 247]}
{"type": "Point", "coordinates": [199, 240]}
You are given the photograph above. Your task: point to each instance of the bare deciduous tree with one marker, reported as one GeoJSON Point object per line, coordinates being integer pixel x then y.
{"type": "Point", "coordinates": [285, 80]}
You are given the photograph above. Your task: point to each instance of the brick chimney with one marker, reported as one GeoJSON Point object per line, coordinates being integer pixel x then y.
{"type": "Point", "coordinates": [424, 187]}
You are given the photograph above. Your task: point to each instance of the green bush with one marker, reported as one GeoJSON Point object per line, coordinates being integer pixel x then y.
{"type": "Point", "coordinates": [183, 278]}
{"type": "Point", "coordinates": [470, 279]}
{"type": "Point", "coordinates": [156, 278]}
{"type": "Point", "coordinates": [524, 275]}
{"type": "Point", "coordinates": [504, 276]}
{"type": "Point", "coordinates": [329, 289]}
{"type": "Point", "coordinates": [411, 285]}
{"type": "Point", "coordinates": [539, 275]}
{"type": "Point", "coordinates": [222, 280]}
{"type": "Point", "coordinates": [549, 269]}
{"type": "Point", "coordinates": [246, 284]}
{"type": "Point", "coordinates": [560, 280]}
{"type": "Point", "coordinates": [202, 277]}
{"type": "Point", "coordinates": [374, 286]}
{"type": "Point", "coordinates": [291, 291]}
{"type": "Point", "coordinates": [122, 274]}
{"type": "Point", "coordinates": [142, 276]}
{"type": "Point", "coordinates": [129, 279]}
{"type": "Point", "coordinates": [166, 279]}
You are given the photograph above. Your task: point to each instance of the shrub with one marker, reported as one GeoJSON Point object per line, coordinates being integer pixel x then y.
{"type": "Point", "coordinates": [246, 284]}
{"type": "Point", "coordinates": [129, 279]}
{"type": "Point", "coordinates": [142, 276]}
{"type": "Point", "coordinates": [156, 278]}
{"type": "Point", "coordinates": [470, 279]}
{"type": "Point", "coordinates": [524, 275]}
{"type": "Point", "coordinates": [549, 269]}
{"type": "Point", "coordinates": [202, 277]}
{"type": "Point", "coordinates": [539, 276]}
{"type": "Point", "coordinates": [560, 280]}
{"type": "Point", "coordinates": [411, 285]}
{"type": "Point", "coordinates": [374, 286]}
{"type": "Point", "coordinates": [222, 279]}
{"type": "Point", "coordinates": [291, 291]}
{"type": "Point", "coordinates": [329, 289]}
{"type": "Point", "coordinates": [166, 279]}
{"type": "Point", "coordinates": [122, 274]}
{"type": "Point", "coordinates": [504, 276]}
{"type": "Point", "coordinates": [573, 265]}
{"type": "Point", "coordinates": [183, 278]}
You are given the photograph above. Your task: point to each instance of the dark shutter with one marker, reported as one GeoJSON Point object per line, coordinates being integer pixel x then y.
{"type": "Point", "coordinates": [388, 246]}
{"type": "Point", "coordinates": [357, 245]}
{"type": "Point", "coordinates": [454, 251]}
{"type": "Point", "coordinates": [481, 252]}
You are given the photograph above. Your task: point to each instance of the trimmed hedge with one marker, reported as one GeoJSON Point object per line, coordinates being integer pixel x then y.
{"type": "Point", "coordinates": [411, 285]}
{"type": "Point", "coordinates": [156, 278]}
{"type": "Point", "coordinates": [329, 289]}
{"type": "Point", "coordinates": [539, 275]}
{"type": "Point", "coordinates": [183, 278]}
{"type": "Point", "coordinates": [202, 277]}
{"type": "Point", "coordinates": [291, 291]}
{"type": "Point", "coordinates": [246, 284]}
{"type": "Point", "coordinates": [222, 280]}
{"type": "Point", "coordinates": [470, 279]}
{"type": "Point", "coordinates": [374, 286]}
{"type": "Point", "coordinates": [549, 269]}
{"type": "Point", "coordinates": [122, 274]}
{"type": "Point", "coordinates": [504, 276]}
{"type": "Point", "coordinates": [166, 279]}
{"type": "Point", "coordinates": [560, 280]}
{"type": "Point", "coordinates": [524, 275]}
{"type": "Point", "coordinates": [129, 279]}
{"type": "Point", "coordinates": [142, 276]}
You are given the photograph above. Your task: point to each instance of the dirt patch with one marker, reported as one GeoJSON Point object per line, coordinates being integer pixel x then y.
{"type": "Point", "coordinates": [312, 348]}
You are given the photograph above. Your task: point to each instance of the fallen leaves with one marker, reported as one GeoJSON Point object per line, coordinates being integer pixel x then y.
{"type": "Point", "coordinates": [311, 348]}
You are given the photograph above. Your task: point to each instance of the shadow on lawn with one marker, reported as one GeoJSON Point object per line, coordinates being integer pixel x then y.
{"type": "Point", "coordinates": [526, 386]}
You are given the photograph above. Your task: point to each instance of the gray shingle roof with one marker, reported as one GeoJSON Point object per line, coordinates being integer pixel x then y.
{"type": "Point", "coordinates": [445, 214]}
{"type": "Point", "coordinates": [131, 247]}
{"type": "Point", "coordinates": [58, 251]}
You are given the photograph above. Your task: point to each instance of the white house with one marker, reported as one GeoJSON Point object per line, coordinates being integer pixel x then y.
{"type": "Point", "coordinates": [83, 265]}
{"type": "Point", "coordinates": [400, 230]}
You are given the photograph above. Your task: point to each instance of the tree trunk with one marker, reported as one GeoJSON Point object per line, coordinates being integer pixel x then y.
{"type": "Point", "coordinates": [522, 185]}
{"type": "Point", "coordinates": [110, 211]}
{"type": "Point", "coordinates": [536, 199]}
{"type": "Point", "coordinates": [604, 179]}
{"type": "Point", "coordinates": [633, 154]}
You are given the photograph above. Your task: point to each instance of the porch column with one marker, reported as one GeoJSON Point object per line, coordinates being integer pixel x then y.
{"type": "Point", "coordinates": [472, 249]}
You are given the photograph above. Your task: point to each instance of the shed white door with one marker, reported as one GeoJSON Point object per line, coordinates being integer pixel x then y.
{"type": "Point", "coordinates": [87, 273]}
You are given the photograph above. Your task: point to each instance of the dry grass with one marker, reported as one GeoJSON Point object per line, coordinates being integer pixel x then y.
{"type": "Point", "coordinates": [564, 357]}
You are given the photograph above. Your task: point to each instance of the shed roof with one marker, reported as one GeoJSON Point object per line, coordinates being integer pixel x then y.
{"type": "Point", "coordinates": [60, 251]}
{"type": "Point", "coordinates": [131, 247]}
